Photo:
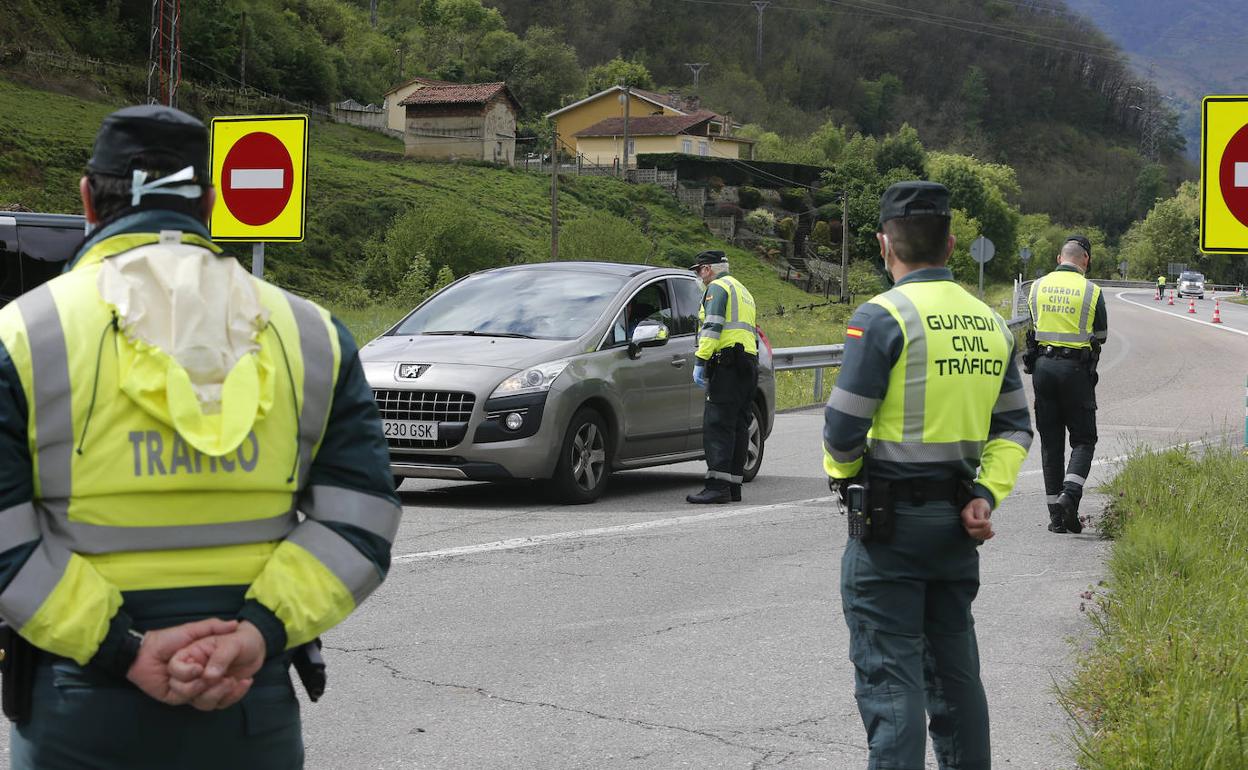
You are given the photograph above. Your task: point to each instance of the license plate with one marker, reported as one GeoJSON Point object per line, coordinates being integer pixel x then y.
{"type": "Point", "coordinates": [409, 429]}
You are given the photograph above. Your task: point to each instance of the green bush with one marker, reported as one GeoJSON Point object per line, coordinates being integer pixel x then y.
{"type": "Point", "coordinates": [750, 197]}
{"type": "Point", "coordinates": [786, 228]}
{"type": "Point", "coordinates": [822, 234]}
{"type": "Point", "coordinates": [825, 196]}
{"type": "Point", "coordinates": [794, 199]}
{"type": "Point", "coordinates": [864, 280]}
{"type": "Point", "coordinates": [605, 238]}
{"type": "Point", "coordinates": [761, 221]}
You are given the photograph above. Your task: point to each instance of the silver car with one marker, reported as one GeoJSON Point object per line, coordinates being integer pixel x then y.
{"type": "Point", "coordinates": [562, 371]}
{"type": "Point", "coordinates": [1191, 284]}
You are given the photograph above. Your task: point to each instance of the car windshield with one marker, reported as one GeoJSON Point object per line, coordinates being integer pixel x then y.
{"type": "Point", "coordinates": [1191, 277]}
{"type": "Point", "coordinates": [539, 304]}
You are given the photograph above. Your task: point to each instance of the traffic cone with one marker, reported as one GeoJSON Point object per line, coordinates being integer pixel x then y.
{"type": "Point", "coordinates": [1172, 296]}
{"type": "Point", "coordinates": [1217, 311]}
{"type": "Point", "coordinates": [1191, 306]}
{"type": "Point", "coordinates": [1157, 297]}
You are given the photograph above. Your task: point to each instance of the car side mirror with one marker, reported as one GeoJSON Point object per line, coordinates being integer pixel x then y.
{"type": "Point", "coordinates": [648, 334]}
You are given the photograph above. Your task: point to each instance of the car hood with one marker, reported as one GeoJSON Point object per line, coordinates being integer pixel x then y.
{"type": "Point", "coordinates": [494, 352]}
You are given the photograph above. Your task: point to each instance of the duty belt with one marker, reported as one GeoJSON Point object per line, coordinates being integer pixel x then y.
{"type": "Point", "coordinates": [1081, 354]}
{"type": "Point", "coordinates": [918, 492]}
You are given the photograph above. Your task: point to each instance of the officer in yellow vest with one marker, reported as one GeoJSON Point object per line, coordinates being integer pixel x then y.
{"type": "Point", "coordinates": [727, 367]}
{"type": "Point", "coordinates": [194, 484]}
{"type": "Point", "coordinates": [1161, 286]}
{"type": "Point", "coordinates": [1070, 325]}
{"type": "Point", "coordinates": [924, 434]}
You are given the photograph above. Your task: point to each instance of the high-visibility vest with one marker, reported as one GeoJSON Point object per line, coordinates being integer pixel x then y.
{"type": "Point", "coordinates": [946, 382]}
{"type": "Point", "coordinates": [736, 325]}
{"type": "Point", "coordinates": [1063, 305]}
{"type": "Point", "coordinates": [1161, 280]}
{"type": "Point", "coordinates": [124, 502]}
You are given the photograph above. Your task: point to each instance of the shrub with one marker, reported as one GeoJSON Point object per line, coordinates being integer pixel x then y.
{"type": "Point", "coordinates": [825, 196]}
{"type": "Point", "coordinates": [761, 221]}
{"type": "Point", "coordinates": [864, 279]}
{"type": "Point", "coordinates": [604, 238]}
{"type": "Point", "coordinates": [822, 234]}
{"type": "Point", "coordinates": [829, 213]}
{"type": "Point", "coordinates": [750, 197]}
{"type": "Point", "coordinates": [793, 199]}
{"type": "Point", "coordinates": [786, 228]}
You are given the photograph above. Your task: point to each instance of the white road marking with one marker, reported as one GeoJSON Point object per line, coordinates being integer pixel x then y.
{"type": "Point", "coordinates": [257, 178]}
{"type": "Point", "coordinates": [1241, 174]}
{"type": "Point", "coordinates": [1120, 458]}
{"type": "Point", "coordinates": [641, 526]}
{"type": "Point", "coordinates": [1220, 327]}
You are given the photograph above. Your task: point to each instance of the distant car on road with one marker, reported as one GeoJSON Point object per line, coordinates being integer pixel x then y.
{"type": "Point", "coordinates": [34, 248]}
{"type": "Point", "coordinates": [1191, 284]}
{"type": "Point", "coordinates": [563, 372]}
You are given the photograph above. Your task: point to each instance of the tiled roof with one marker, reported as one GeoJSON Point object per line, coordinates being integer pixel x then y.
{"type": "Point", "coordinates": [467, 93]}
{"type": "Point", "coordinates": [422, 81]}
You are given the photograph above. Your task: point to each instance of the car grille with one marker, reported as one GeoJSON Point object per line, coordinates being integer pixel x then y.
{"type": "Point", "coordinates": [439, 406]}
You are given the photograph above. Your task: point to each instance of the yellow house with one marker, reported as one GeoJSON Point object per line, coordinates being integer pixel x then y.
{"type": "Point", "coordinates": [702, 133]}
{"type": "Point", "coordinates": [396, 113]}
{"type": "Point", "coordinates": [609, 103]}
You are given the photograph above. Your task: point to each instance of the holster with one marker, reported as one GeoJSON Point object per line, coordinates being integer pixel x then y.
{"type": "Point", "coordinates": [1031, 352]}
{"type": "Point", "coordinates": [881, 515]}
{"type": "Point", "coordinates": [310, 666]}
{"type": "Point", "coordinates": [18, 658]}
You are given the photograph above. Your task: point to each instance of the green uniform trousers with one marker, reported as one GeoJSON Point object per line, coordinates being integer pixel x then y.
{"type": "Point", "coordinates": [87, 720]}
{"type": "Point", "coordinates": [912, 641]}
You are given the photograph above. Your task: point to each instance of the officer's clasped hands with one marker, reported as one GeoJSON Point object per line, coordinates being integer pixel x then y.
{"type": "Point", "coordinates": [208, 663]}
{"type": "Point", "coordinates": [976, 519]}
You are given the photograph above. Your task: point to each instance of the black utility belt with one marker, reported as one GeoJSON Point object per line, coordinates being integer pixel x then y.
{"type": "Point", "coordinates": [919, 492]}
{"type": "Point", "coordinates": [1078, 354]}
{"type": "Point", "coordinates": [733, 355]}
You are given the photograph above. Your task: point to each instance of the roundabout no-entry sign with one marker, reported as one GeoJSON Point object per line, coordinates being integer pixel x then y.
{"type": "Point", "coordinates": [259, 167]}
{"type": "Point", "coordinates": [1224, 174]}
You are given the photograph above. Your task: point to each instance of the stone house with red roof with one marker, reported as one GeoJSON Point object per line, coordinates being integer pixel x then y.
{"type": "Point", "coordinates": [473, 121]}
{"type": "Point", "coordinates": [396, 115]}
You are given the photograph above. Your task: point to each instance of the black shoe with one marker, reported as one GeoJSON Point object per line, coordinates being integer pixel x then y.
{"type": "Point", "coordinates": [1070, 513]}
{"type": "Point", "coordinates": [1056, 514]}
{"type": "Point", "coordinates": [709, 496]}
{"type": "Point", "coordinates": [734, 492]}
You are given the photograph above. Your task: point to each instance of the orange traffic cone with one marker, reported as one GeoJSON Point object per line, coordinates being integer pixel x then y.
{"type": "Point", "coordinates": [1157, 295]}
{"type": "Point", "coordinates": [1172, 296]}
{"type": "Point", "coordinates": [1217, 311]}
{"type": "Point", "coordinates": [1191, 306]}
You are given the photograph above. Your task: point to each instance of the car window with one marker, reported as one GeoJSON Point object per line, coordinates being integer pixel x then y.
{"type": "Point", "coordinates": [45, 250]}
{"type": "Point", "coordinates": [10, 264]}
{"type": "Point", "coordinates": [651, 301]}
{"type": "Point", "coordinates": [544, 304]}
{"type": "Point", "coordinates": [688, 293]}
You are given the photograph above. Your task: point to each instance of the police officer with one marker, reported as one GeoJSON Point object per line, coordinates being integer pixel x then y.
{"type": "Point", "coordinates": [928, 393]}
{"type": "Point", "coordinates": [1070, 323]}
{"type": "Point", "coordinates": [1161, 287]}
{"type": "Point", "coordinates": [727, 367]}
{"type": "Point", "coordinates": [194, 484]}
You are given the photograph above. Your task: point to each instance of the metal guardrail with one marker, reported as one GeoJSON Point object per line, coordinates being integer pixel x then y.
{"type": "Point", "coordinates": [820, 357]}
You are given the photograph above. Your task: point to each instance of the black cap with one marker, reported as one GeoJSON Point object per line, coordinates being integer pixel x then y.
{"type": "Point", "coordinates": [711, 257]}
{"type": "Point", "coordinates": [1083, 241]}
{"type": "Point", "coordinates": [907, 199]}
{"type": "Point", "coordinates": [164, 134]}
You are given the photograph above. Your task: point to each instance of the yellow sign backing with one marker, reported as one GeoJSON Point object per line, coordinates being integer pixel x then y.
{"type": "Point", "coordinates": [260, 169]}
{"type": "Point", "coordinates": [1224, 174]}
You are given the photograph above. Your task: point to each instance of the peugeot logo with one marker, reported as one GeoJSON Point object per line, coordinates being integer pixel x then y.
{"type": "Point", "coordinates": [411, 371]}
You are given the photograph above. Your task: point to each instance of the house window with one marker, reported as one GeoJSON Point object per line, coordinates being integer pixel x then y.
{"type": "Point", "coordinates": [632, 147]}
{"type": "Point", "coordinates": [713, 128]}
{"type": "Point", "coordinates": [702, 148]}
{"type": "Point", "coordinates": [686, 145]}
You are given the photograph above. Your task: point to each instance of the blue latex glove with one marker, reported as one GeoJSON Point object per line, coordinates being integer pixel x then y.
{"type": "Point", "coordinates": [699, 375]}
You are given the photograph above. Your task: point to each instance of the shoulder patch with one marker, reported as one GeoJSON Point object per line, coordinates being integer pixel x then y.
{"type": "Point", "coordinates": [854, 331]}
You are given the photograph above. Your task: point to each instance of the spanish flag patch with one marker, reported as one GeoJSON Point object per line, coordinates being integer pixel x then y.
{"type": "Point", "coordinates": [853, 331]}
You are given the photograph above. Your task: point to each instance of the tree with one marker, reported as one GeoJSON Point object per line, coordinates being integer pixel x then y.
{"type": "Point", "coordinates": [626, 72]}
{"type": "Point", "coordinates": [549, 73]}
{"type": "Point", "coordinates": [902, 150]}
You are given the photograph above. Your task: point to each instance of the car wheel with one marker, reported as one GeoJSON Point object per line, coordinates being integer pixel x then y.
{"type": "Point", "coordinates": [754, 449]}
{"type": "Point", "coordinates": [584, 460]}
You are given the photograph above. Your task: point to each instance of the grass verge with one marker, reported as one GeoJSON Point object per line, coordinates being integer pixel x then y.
{"type": "Point", "coordinates": [1165, 683]}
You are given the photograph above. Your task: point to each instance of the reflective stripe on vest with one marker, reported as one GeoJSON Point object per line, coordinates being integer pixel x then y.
{"type": "Point", "coordinates": [1054, 313]}
{"type": "Point", "coordinates": [955, 353]}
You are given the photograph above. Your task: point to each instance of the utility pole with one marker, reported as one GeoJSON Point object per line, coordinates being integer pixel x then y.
{"type": "Point", "coordinates": [401, 51]}
{"type": "Point", "coordinates": [372, 13]}
{"type": "Point", "coordinates": [628, 97]}
{"type": "Point", "coordinates": [554, 195]}
{"type": "Point", "coordinates": [696, 68]}
{"type": "Point", "coordinates": [844, 245]}
{"type": "Point", "coordinates": [761, 5]}
{"type": "Point", "coordinates": [242, 61]}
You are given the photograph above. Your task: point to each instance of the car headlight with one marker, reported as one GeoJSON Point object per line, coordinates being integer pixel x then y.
{"type": "Point", "coordinates": [532, 380]}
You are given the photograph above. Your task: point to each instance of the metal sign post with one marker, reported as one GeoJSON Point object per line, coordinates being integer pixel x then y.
{"type": "Point", "coordinates": [982, 250]}
{"type": "Point", "coordinates": [257, 259]}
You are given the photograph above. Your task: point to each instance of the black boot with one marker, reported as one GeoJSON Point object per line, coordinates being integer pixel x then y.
{"type": "Point", "coordinates": [734, 491]}
{"type": "Point", "coordinates": [1070, 513]}
{"type": "Point", "coordinates": [709, 495]}
{"type": "Point", "coordinates": [1055, 520]}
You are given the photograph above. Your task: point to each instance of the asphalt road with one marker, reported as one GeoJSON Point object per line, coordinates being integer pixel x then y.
{"type": "Point", "coordinates": [644, 632]}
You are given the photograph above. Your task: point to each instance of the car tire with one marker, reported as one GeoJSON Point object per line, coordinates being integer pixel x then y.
{"type": "Point", "coordinates": [584, 460]}
{"type": "Point", "coordinates": [754, 454]}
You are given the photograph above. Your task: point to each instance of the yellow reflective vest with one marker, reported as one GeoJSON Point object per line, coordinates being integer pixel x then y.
{"type": "Point", "coordinates": [727, 317]}
{"type": "Point", "coordinates": [1063, 305]}
{"type": "Point", "coordinates": [135, 488]}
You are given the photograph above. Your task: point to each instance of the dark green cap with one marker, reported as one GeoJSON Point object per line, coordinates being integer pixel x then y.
{"type": "Point", "coordinates": [167, 135]}
{"type": "Point", "coordinates": [907, 199]}
{"type": "Point", "coordinates": [709, 257]}
{"type": "Point", "coordinates": [1083, 241]}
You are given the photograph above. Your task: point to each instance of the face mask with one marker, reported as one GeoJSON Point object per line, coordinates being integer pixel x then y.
{"type": "Point", "coordinates": [882, 265]}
